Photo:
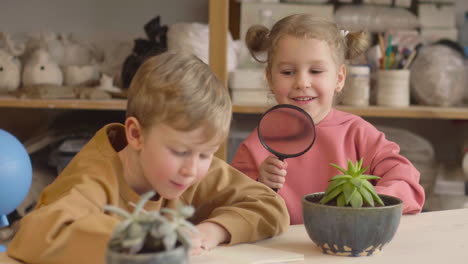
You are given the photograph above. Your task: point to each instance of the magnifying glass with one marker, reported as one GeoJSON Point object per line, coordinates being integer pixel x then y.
{"type": "Point", "coordinates": [287, 131]}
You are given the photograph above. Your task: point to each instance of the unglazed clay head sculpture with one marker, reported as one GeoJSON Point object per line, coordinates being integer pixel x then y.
{"type": "Point", "coordinates": [10, 72]}
{"type": "Point", "coordinates": [41, 69]}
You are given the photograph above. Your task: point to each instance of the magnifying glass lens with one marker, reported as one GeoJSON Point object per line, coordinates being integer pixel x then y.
{"type": "Point", "coordinates": [286, 131]}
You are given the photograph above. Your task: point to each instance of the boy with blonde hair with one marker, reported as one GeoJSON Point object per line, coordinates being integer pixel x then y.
{"type": "Point", "coordinates": [178, 114]}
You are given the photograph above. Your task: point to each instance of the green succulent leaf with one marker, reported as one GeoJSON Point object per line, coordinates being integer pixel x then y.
{"type": "Point", "coordinates": [370, 177]}
{"type": "Point", "coordinates": [339, 177]}
{"type": "Point", "coordinates": [328, 197]}
{"type": "Point", "coordinates": [356, 200]}
{"type": "Point", "coordinates": [356, 182]}
{"type": "Point", "coordinates": [335, 184]}
{"type": "Point", "coordinates": [341, 200]}
{"type": "Point", "coordinates": [352, 187]}
{"type": "Point", "coordinates": [351, 167]}
{"type": "Point", "coordinates": [366, 196]}
{"type": "Point", "coordinates": [361, 171]}
{"type": "Point", "coordinates": [359, 164]}
{"type": "Point", "coordinates": [339, 168]}
{"type": "Point", "coordinates": [372, 191]}
{"type": "Point", "coordinates": [349, 190]}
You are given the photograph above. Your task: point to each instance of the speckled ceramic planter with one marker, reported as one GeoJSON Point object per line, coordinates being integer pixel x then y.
{"type": "Point", "coordinates": [177, 256]}
{"type": "Point", "coordinates": [351, 231]}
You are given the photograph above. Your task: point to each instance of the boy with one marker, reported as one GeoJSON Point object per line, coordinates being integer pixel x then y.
{"type": "Point", "coordinates": [178, 113]}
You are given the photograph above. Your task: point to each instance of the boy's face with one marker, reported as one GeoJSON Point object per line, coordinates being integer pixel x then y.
{"type": "Point", "coordinates": [304, 74]}
{"type": "Point", "coordinates": [172, 160]}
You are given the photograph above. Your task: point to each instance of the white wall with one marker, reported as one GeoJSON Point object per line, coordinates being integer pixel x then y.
{"type": "Point", "coordinates": [94, 18]}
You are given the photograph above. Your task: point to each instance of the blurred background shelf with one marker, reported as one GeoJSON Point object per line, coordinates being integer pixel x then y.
{"type": "Point", "coordinates": [426, 112]}
{"type": "Point", "coordinates": [70, 104]}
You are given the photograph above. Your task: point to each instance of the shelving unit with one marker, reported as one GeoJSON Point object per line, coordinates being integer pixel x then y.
{"type": "Point", "coordinates": [218, 17]}
{"type": "Point", "coordinates": [70, 104]}
{"type": "Point", "coordinates": [426, 112]}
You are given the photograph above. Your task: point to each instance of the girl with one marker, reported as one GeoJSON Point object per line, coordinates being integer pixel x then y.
{"type": "Point", "coordinates": [306, 68]}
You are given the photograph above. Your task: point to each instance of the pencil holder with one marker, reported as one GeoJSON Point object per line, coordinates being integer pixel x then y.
{"type": "Point", "coordinates": [357, 86]}
{"type": "Point", "coordinates": [393, 88]}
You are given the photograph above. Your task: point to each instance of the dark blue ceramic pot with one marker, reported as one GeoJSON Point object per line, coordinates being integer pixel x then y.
{"type": "Point", "coordinates": [351, 231]}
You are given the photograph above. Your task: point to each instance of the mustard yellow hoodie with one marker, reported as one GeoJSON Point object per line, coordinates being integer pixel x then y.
{"type": "Point", "coordinates": [69, 226]}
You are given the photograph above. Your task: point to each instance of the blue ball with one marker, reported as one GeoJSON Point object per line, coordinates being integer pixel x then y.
{"type": "Point", "coordinates": [15, 173]}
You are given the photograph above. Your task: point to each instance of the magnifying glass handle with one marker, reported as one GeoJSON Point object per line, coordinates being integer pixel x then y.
{"type": "Point", "coordinates": [280, 158]}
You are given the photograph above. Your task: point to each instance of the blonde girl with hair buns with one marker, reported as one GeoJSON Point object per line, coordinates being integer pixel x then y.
{"type": "Point", "coordinates": [305, 67]}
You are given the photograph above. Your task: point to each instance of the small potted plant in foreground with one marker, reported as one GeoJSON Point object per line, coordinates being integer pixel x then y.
{"type": "Point", "coordinates": [144, 237]}
{"type": "Point", "coordinates": [350, 218]}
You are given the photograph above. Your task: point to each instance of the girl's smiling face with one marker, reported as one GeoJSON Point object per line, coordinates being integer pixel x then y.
{"type": "Point", "coordinates": [303, 73]}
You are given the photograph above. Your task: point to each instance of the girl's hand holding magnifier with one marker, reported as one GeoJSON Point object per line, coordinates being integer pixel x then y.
{"type": "Point", "coordinates": [272, 172]}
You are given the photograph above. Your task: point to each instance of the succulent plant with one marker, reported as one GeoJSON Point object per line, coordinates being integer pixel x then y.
{"type": "Point", "coordinates": [150, 231]}
{"type": "Point", "coordinates": [352, 187]}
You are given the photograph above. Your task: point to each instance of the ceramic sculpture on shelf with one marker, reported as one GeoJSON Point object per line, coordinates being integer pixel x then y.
{"type": "Point", "coordinates": [438, 75]}
{"type": "Point", "coordinates": [194, 38]}
{"type": "Point", "coordinates": [155, 44]}
{"type": "Point", "coordinates": [39, 68]}
{"type": "Point", "coordinates": [106, 84]}
{"type": "Point", "coordinates": [78, 59]}
{"type": "Point", "coordinates": [74, 75]}
{"type": "Point", "coordinates": [10, 65]}
{"type": "Point", "coordinates": [63, 49]}
{"type": "Point", "coordinates": [10, 68]}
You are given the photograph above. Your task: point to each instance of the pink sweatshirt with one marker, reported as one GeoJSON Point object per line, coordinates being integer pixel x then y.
{"type": "Point", "coordinates": [339, 136]}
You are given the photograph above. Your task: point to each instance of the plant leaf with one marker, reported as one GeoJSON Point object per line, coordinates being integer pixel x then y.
{"type": "Point", "coordinates": [351, 168]}
{"type": "Point", "coordinates": [356, 200]}
{"type": "Point", "coordinates": [361, 171]}
{"type": "Point", "coordinates": [374, 194]}
{"type": "Point", "coordinates": [144, 198]}
{"type": "Point", "coordinates": [349, 190]}
{"type": "Point", "coordinates": [356, 182]}
{"type": "Point", "coordinates": [366, 196]}
{"type": "Point", "coordinates": [339, 168]}
{"type": "Point", "coordinates": [121, 227]}
{"type": "Point", "coordinates": [326, 198]}
{"type": "Point", "coordinates": [170, 241]}
{"type": "Point", "coordinates": [339, 177]}
{"type": "Point", "coordinates": [370, 177]}
{"type": "Point", "coordinates": [187, 211]}
{"type": "Point", "coordinates": [184, 238]}
{"type": "Point", "coordinates": [133, 245]}
{"type": "Point", "coordinates": [335, 184]}
{"type": "Point", "coordinates": [359, 164]}
{"type": "Point", "coordinates": [341, 201]}
{"type": "Point", "coordinates": [118, 211]}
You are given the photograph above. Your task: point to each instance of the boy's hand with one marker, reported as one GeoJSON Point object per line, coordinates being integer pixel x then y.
{"type": "Point", "coordinates": [272, 172]}
{"type": "Point", "coordinates": [210, 235]}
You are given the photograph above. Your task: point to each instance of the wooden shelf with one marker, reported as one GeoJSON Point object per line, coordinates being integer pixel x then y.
{"type": "Point", "coordinates": [427, 112]}
{"type": "Point", "coordinates": [78, 104]}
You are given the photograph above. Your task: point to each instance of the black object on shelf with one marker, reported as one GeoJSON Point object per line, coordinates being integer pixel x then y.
{"type": "Point", "coordinates": [145, 48]}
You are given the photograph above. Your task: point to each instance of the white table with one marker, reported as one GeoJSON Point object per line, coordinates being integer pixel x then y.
{"type": "Point", "coordinates": [435, 237]}
{"type": "Point", "coordinates": [430, 238]}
